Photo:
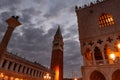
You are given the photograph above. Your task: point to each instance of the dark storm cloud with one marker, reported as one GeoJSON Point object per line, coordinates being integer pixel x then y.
{"type": "Point", "coordinates": [28, 14]}
{"type": "Point", "coordinates": [38, 1]}
{"type": "Point", "coordinates": [54, 9]}
{"type": "Point", "coordinates": [33, 44]}
{"type": "Point", "coordinates": [72, 50]}
{"type": "Point", "coordinates": [9, 3]}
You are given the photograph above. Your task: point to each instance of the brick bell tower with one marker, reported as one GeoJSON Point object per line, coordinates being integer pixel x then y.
{"type": "Point", "coordinates": [57, 55]}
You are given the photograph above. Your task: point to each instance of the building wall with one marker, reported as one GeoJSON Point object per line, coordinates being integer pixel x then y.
{"type": "Point", "coordinates": [88, 19]}
{"type": "Point", "coordinates": [16, 67]}
{"type": "Point", "coordinates": [105, 39]}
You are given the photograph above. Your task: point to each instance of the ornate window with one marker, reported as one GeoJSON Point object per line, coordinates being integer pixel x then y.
{"type": "Point", "coordinates": [88, 54]}
{"type": "Point", "coordinates": [97, 54]}
{"type": "Point", "coordinates": [106, 20]}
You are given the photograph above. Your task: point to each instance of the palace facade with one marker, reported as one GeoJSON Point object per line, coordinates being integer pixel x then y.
{"type": "Point", "coordinates": [99, 35]}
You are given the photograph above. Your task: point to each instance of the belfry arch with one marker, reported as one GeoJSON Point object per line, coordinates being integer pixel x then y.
{"type": "Point", "coordinates": [96, 75]}
{"type": "Point", "coordinates": [116, 75]}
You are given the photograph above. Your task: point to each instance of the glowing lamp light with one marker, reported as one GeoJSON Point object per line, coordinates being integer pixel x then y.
{"type": "Point", "coordinates": [16, 78]}
{"type": "Point", "coordinates": [118, 45]}
{"type": "Point", "coordinates": [1, 75]}
{"type": "Point", "coordinates": [47, 77]}
{"type": "Point", "coordinates": [6, 77]}
{"type": "Point", "coordinates": [112, 56]}
{"type": "Point", "coordinates": [11, 78]}
{"type": "Point", "coordinates": [75, 79]}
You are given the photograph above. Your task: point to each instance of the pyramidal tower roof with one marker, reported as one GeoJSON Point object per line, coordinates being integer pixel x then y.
{"type": "Point", "coordinates": [58, 32]}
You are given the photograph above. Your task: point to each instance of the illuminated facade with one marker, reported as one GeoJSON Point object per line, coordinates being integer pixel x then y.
{"type": "Point", "coordinates": [99, 35]}
{"type": "Point", "coordinates": [13, 67]}
{"type": "Point", "coordinates": [57, 55]}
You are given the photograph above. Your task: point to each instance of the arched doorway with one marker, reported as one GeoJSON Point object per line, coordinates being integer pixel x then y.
{"type": "Point", "coordinates": [96, 75]}
{"type": "Point", "coordinates": [116, 75]}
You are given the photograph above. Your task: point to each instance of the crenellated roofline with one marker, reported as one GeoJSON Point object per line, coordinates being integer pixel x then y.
{"type": "Point", "coordinates": [89, 4]}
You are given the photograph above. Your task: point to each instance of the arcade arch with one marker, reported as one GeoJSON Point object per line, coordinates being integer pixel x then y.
{"type": "Point", "coordinates": [96, 75]}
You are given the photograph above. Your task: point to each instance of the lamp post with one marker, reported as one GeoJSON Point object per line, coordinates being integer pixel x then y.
{"type": "Point", "coordinates": [47, 77]}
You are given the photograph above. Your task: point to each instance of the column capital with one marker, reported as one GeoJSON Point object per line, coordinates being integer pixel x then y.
{"type": "Point", "coordinates": [13, 22]}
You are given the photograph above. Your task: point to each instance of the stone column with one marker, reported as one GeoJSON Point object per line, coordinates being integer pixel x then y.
{"type": "Point", "coordinates": [12, 24]}
{"type": "Point", "coordinates": [29, 71]}
{"type": "Point", "coordinates": [6, 65]}
{"type": "Point", "coordinates": [35, 73]}
{"type": "Point", "coordinates": [21, 69]}
{"type": "Point", "coordinates": [94, 61]}
{"type": "Point", "coordinates": [16, 69]}
{"type": "Point", "coordinates": [11, 68]}
{"type": "Point", "coordinates": [2, 60]}
{"type": "Point", "coordinates": [25, 70]}
{"type": "Point", "coordinates": [104, 61]}
{"type": "Point", "coordinates": [32, 72]}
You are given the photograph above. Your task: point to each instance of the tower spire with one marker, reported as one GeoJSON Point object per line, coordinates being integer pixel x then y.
{"type": "Point", "coordinates": [58, 32]}
{"type": "Point", "coordinates": [58, 40]}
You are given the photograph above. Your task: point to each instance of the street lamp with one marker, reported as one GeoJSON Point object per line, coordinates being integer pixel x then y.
{"type": "Point", "coordinates": [47, 77]}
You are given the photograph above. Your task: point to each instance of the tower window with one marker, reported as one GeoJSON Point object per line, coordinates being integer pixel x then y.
{"type": "Point", "coordinates": [106, 20]}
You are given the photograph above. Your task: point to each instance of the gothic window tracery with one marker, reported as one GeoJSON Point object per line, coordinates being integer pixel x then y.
{"type": "Point", "coordinates": [97, 54]}
{"type": "Point", "coordinates": [91, 43]}
{"type": "Point", "coordinates": [106, 20]}
{"type": "Point", "coordinates": [118, 38]}
{"type": "Point", "coordinates": [100, 41]}
{"type": "Point", "coordinates": [88, 54]}
{"type": "Point", "coordinates": [109, 39]}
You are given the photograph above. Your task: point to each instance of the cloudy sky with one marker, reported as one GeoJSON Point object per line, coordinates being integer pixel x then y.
{"type": "Point", "coordinates": [40, 19]}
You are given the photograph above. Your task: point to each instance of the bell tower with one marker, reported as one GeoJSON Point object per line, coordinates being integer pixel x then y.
{"type": "Point", "coordinates": [57, 55]}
